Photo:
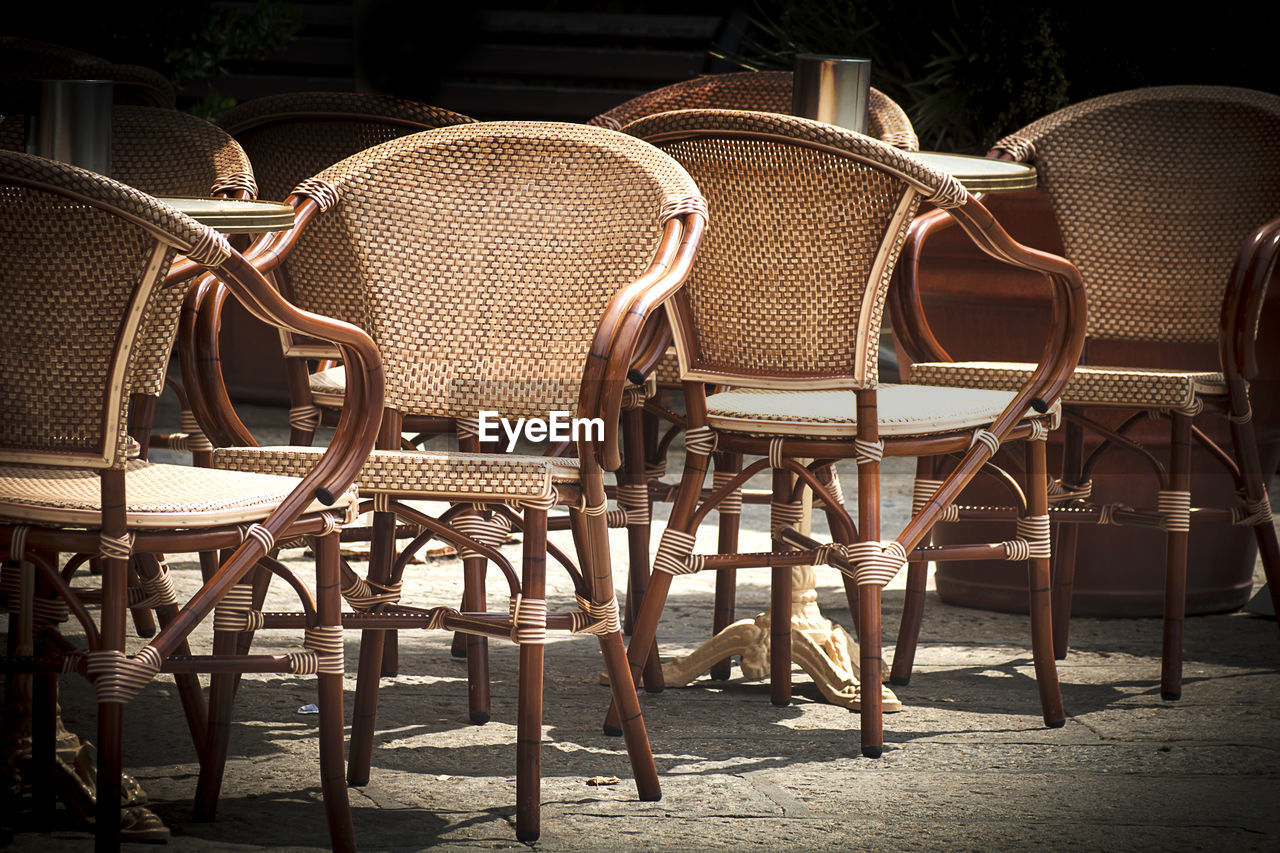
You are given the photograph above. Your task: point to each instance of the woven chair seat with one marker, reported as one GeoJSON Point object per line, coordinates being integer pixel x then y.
{"type": "Point", "coordinates": [1132, 387]}
{"type": "Point", "coordinates": [329, 386]}
{"type": "Point", "coordinates": [904, 410]}
{"type": "Point", "coordinates": [159, 496]}
{"type": "Point", "coordinates": [443, 474]}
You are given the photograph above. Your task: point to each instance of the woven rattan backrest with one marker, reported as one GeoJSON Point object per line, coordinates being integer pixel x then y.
{"type": "Point", "coordinates": [807, 220]}
{"type": "Point", "coordinates": [80, 260]}
{"type": "Point", "coordinates": [487, 254]}
{"type": "Point", "coordinates": [1154, 190]}
{"type": "Point", "coordinates": [765, 91]}
{"type": "Point", "coordinates": [162, 152]}
{"type": "Point", "coordinates": [290, 138]}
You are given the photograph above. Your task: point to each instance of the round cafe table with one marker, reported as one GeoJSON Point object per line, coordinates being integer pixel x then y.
{"type": "Point", "coordinates": [824, 650]}
{"type": "Point", "coordinates": [234, 216]}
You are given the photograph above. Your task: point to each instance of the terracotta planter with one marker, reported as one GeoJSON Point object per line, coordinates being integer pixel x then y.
{"type": "Point", "coordinates": [981, 310]}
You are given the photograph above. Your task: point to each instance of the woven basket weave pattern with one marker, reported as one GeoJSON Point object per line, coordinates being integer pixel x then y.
{"type": "Point", "coordinates": [815, 223]}
{"type": "Point", "coordinates": [766, 91]}
{"type": "Point", "coordinates": [66, 295]}
{"type": "Point", "coordinates": [489, 252]}
{"type": "Point", "coordinates": [1154, 190]}
{"type": "Point", "coordinates": [292, 137]}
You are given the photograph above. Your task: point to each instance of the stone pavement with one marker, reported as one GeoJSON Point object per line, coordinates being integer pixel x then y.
{"type": "Point", "coordinates": [968, 765]}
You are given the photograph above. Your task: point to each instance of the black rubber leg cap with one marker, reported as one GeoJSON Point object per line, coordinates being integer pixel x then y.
{"type": "Point", "coordinates": [479, 717]}
{"type": "Point", "coordinates": [1055, 724]}
{"type": "Point", "coordinates": [353, 782]}
{"type": "Point", "coordinates": [612, 731]}
{"type": "Point", "coordinates": [899, 680]}
{"type": "Point", "coordinates": [148, 633]}
{"type": "Point", "coordinates": [1059, 656]}
{"type": "Point", "coordinates": [527, 836]}
{"type": "Point", "coordinates": [784, 703]}
{"type": "Point", "coordinates": [655, 798]}
{"type": "Point", "coordinates": [458, 653]}
{"type": "Point", "coordinates": [648, 689]}
{"type": "Point", "coordinates": [1170, 697]}
{"type": "Point", "coordinates": [872, 751]}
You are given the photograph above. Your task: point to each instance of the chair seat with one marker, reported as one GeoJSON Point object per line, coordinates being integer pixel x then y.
{"type": "Point", "coordinates": [903, 409]}
{"type": "Point", "coordinates": [329, 386]}
{"type": "Point", "coordinates": [159, 496]}
{"type": "Point", "coordinates": [440, 474]}
{"type": "Point", "coordinates": [1098, 386]}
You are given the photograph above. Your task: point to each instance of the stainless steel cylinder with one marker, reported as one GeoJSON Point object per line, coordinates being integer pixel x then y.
{"type": "Point", "coordinates": [834, 89]}
{"type": "Point", "coordinates": [70, 121]}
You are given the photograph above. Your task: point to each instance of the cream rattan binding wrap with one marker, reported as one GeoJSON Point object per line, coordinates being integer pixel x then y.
{"type": "Point", "coordinates": [162, 152]}
{"type": "Point", "coordinates": [488, 252]}
{"type": "Point", "coordinates": [765, 91]}
{"type": "Point", "coordinates": [65, 363]}
{"type": "Point", "coordinates": [290, 138]}
{"type": "Point", "coordinates": [827, 210]}
{"type": "Point", "coordinates": [1154, 190]}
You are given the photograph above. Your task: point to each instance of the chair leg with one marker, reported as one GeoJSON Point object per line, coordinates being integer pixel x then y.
{"type": "Point", "coordinates": [473, 600]}
{"type": "Point", "coordinates": [329, 697]}
{"type": "Point", "coordinates": [144, 622]}
{"type": "Point", "coordinates": [222, 690]}
{"type": "Point", "coordinates": [633, 493]}
{"type": "Point", "coordinates": [190, 692]}
{"type": "Point", "coordinates": [904, 653]}
{"type": "Point", "coordinates": [870, 663]}
{"type": "Point", "coordinates": [529, 711]}
{"type": "Point", "coordinates": [111, 709]}
{"type": "Point", "coordinates": [372, 644]}
{"type": "Point", "coordinates": [1068, 535]}
{"type": "Point", "coordinates": [1040, 601]}
{"type": "Point", "coordinates": [1175, 578]}
{"type": "Point", "coordinates": [730, 518]}
{"type": "Point", "coordinates": [780, 605]}
{"type": "Point", "coordinates": [1245, 445]}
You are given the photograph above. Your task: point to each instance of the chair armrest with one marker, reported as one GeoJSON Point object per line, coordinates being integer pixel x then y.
{"type": "Point", "coordinates": [622, 330]}
{"type": "Point", "coordinates": [906, 310]}
{"type": "Point", "coordinates": [1242, 301]}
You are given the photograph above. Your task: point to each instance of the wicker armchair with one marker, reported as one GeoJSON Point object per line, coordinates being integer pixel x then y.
{"type": "Point", "coordinates": [1153, 210]}
{"type": "Point", "coordinates": [503, 266]}
{"type": "Point", "coordinates": [84, 260]}
{"type": "Point", "coordinates": [783, 306]}
{"type": "Point", "coordinates": [290, 138]}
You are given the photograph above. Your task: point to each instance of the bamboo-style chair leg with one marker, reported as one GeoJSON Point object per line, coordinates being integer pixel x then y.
{"type": "Point", "coordinates": [473, 600]}
{"type": "Point", "coordinates": [111, 639]}
{"type": "Point", "coordinates": [904, 652]}
{"type": "Point", "coordinates": [1245, 447]}
{"type": "Point", "coordinates": [190, 693]}
{"type": "Point", "coordinates": [222, 690]}
{"type": "Point", "coordinates": [329, 696]}
{"type": "Point", "coordinates": [364, 714]}
{"type": "Point", "coordinates": [1065, 543]}
{"type": "Point", "coordinates": [1175, 582]}
{"type": "Point", "coordinates": [625, 717]}
{"type": "Point", "coordinates": [304, 417]}
{"type": "Point", "coordinates": [780, 603]}
{"type": "Point", "coordinates": [144, 622]}
{"type": "Point", "coordinates": [633, 490]}
{"type": "Point", "coordinates": [646, 628]}
{"type": "Point", "coordinates": [870, 664]}
{"type": "Point", "coordinates": [1040, 600]}
{"type": "Point", "coordinates": [730, 519]}
{"type": "Point", "coordinates": [529, 710]}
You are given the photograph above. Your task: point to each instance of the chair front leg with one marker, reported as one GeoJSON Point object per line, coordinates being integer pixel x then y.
{"type": "Point", "coordinates": [1036, 531]}
{"type": "Point", "coordinates": [529, 710]}
{"type": "Point", "coordinates": [1175, 510]}
{"type": "Point", "coordinates": [372, 645]}
{"type": "Point", "coordinates": [327, 641]}
{"type": "Point", "coordinates": [730, 519]}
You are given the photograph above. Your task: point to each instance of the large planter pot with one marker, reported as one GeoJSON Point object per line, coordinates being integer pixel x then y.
{"type": "Point", "coordinates": [983, 310]}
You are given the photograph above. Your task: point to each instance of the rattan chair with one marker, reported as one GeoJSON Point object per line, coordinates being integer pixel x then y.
{"type": "Point", "coordinates": [83, 260]}
{"type": "Point", "coordinates": [1153, 209]}
{"type": "Point", "coordinates": [290, 138]}
{"type": "Point", "coordinates": [503, 266]}
{"type": "Point", "coordinates": [783, 306]}
{"type": "Point", "coordinates": [765, 91]}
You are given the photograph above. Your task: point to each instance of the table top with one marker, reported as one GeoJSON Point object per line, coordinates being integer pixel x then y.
{"type": "Point", "coordinates": [234, 216]}
{"type": "Point", "coordinates": [982, 174]}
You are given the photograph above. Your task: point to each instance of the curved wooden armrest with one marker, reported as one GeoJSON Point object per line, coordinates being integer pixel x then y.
{"type": "Point", "coordinates": [1061, 353]}
{"type": "Point", "coordinates": [1242, 301]}
{"type": "Point", "coordinates": [910, 325]}
{"type": "Point", "coordinates": [622, 329]}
